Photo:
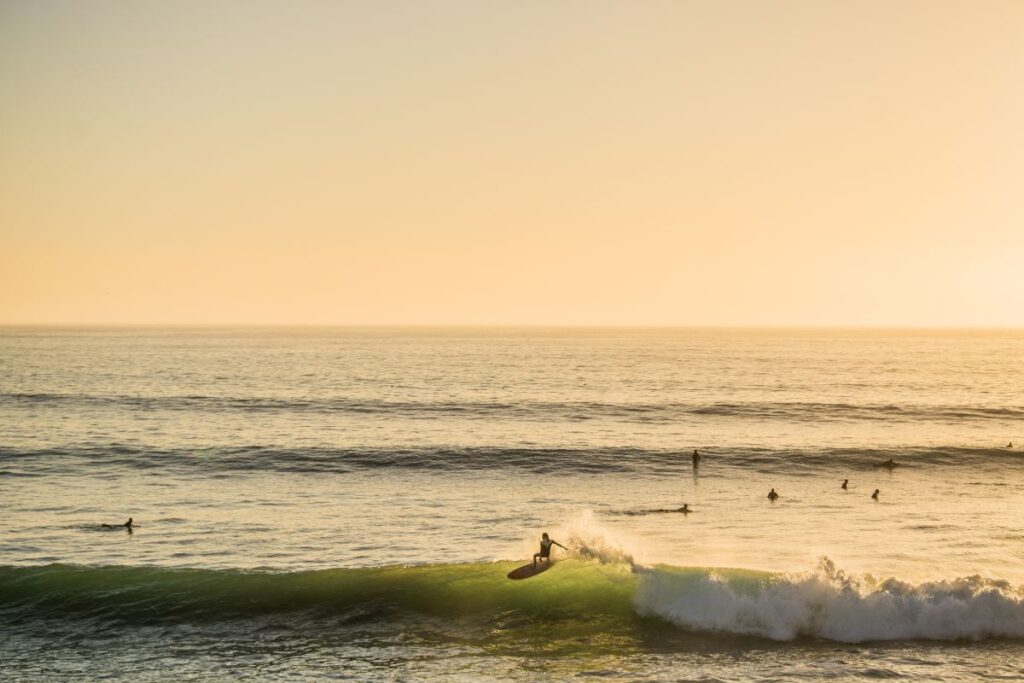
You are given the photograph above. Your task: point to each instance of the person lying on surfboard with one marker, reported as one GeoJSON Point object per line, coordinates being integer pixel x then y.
{"type": "Point", "coordinates": [545, 548]}
{"type": "Point", "coordinates": [129, 525]}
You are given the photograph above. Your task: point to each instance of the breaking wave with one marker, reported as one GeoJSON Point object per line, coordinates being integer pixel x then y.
{"type": "Point", "coordinates": [829, 604]}
{"type": "Point", "coordinates": [605, 592]}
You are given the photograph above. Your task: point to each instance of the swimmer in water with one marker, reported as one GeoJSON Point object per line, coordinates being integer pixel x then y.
{"type": "Point", "coordinates": [545, 548]}
{"type": "Point", "coordinates": [843, 485]}
{"type": "Point", "coordinates": [874, 496]}
{"type": "Point", "coordinates": [127, 525]}
{"type": "Point", "coordinates": [772, 495]}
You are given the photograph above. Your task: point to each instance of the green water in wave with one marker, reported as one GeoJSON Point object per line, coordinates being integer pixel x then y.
{"type": "Point", "coordinates": [569, 588]}
{"type": "Point", "coordinates": [575, 607]}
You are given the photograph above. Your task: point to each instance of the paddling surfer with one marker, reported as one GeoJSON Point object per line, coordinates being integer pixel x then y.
{"type": "Point", "coordinates": [772, 495]}
{"type": "Point", "coordinates": [545, 548]}
{"type": "Point", "coordinates": [127, 525]}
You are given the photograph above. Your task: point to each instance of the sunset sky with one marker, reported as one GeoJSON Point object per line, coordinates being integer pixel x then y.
{"type": "Point", "coordinates": [649, 163]}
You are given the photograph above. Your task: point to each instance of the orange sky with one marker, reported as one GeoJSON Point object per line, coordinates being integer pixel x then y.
{"type": "Point", "coordinates": [653, 163]}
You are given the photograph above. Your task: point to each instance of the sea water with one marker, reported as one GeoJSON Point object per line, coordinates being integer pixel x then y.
{"type": "Point", "coordinates": [345, 503]}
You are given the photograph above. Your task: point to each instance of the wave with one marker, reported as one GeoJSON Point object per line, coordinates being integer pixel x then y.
{"type": "Point", "coordinates": [572, 411]}
{"type": "Point", "coordinates": [326, 459]}
{"type": "Point", "coordinates": [446, 590]}
{"type": "Point", "coordinates": [824, 604]}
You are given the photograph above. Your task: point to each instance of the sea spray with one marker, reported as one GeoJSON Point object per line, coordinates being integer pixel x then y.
{"type": "Point", "coordinates": [589, 540]}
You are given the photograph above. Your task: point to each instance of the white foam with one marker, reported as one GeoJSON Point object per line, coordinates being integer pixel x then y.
{"type": "Point", "coordinates": [827, 603]}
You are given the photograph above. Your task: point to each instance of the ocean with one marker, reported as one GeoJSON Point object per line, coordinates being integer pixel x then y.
{"type": "Point", "coordinates": [320, 503]}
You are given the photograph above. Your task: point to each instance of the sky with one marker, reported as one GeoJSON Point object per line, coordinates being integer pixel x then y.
{"type": "Point", "coordinates": [520, 162]}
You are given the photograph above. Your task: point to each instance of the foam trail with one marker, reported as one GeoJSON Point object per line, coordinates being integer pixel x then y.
{"type": "Point", "coordinates": [830, 604]}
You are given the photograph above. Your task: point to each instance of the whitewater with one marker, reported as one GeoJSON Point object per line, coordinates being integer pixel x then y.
{"type": "Point", "coordinates": [345, 503]}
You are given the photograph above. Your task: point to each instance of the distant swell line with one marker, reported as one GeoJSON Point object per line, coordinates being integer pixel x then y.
{"type": "Point", "coordinates": [327, 459]}
{"type": "Point", "coordinates": [533, 410]}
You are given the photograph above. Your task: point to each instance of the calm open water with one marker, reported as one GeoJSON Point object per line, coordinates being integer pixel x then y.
{"type": "Point", "coordinates": [345, 503]}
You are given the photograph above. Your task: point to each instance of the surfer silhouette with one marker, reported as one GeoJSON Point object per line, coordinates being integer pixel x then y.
{"type": "Point", "coordinates": [696, 458]}
{"type": "Point", "coordinates": [890, 463]}
{"type": "Point", "coordinates": [685, 509]}
{"type": "Point", "coordinates": [772, 495]}
{"type": "Point", "coordinates": [845, 482]}
{"type": "Point", "coordinates": [127, 525]}
{"type": "Point", "coordinates": [545, 548]}
{"type": "Point", "coordinates": [874, 496]}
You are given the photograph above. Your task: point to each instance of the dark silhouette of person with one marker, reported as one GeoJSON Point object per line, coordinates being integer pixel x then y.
{"type": "Point", "coordinates": [129, 525]}
{"type": "Point", "coordinates": [874, 495]}
{"type": "Point", "coordinates": [845, 482]}
{"type": "Point", "coordinates": [696, 458]}
{"type": "Point", "coordinates": [685, 509]}
{"type": "Point", "coordinates": [545, 548]}
{"type": "Point", "coordinates": [1009, 445]}
{"type": "Point", "coordinates": [772, 495]}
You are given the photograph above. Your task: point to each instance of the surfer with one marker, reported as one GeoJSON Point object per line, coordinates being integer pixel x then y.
{"type": "Point", "coordinates": [685, 509]}
{"type": "Point", "coordinates": [127, 525]}
{"type": "Point", "coordinates": [874, 496]}
{"type": "Point", "coordinates": [545, 548]}
{"type": "Point", "coordinates": [1009, 445]}
{"type": "Point", "coordinates": [772, 495]}
{"type": "Point", "coordinates": [890, 463]}
{"type": "Point", "coordinates": [696, 458]}
{"type": "Point", "coordinates": [845, 482]}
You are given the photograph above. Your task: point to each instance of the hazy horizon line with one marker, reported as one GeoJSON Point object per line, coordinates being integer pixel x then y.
{"type": "Point", "coordinates": [565, 326]}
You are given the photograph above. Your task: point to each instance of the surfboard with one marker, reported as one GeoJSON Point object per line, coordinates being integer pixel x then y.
{"type": "Point", "coordinates": [528, 570]}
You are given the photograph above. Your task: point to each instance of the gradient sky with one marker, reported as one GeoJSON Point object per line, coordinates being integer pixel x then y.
{"type": "Point", "coordinates": [653, 163]}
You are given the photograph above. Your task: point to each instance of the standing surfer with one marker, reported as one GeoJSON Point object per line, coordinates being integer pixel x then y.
{"type": "Point", "coordinates": [545, 548]}
{"type": "Point", "coordinates": [696, 458]}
